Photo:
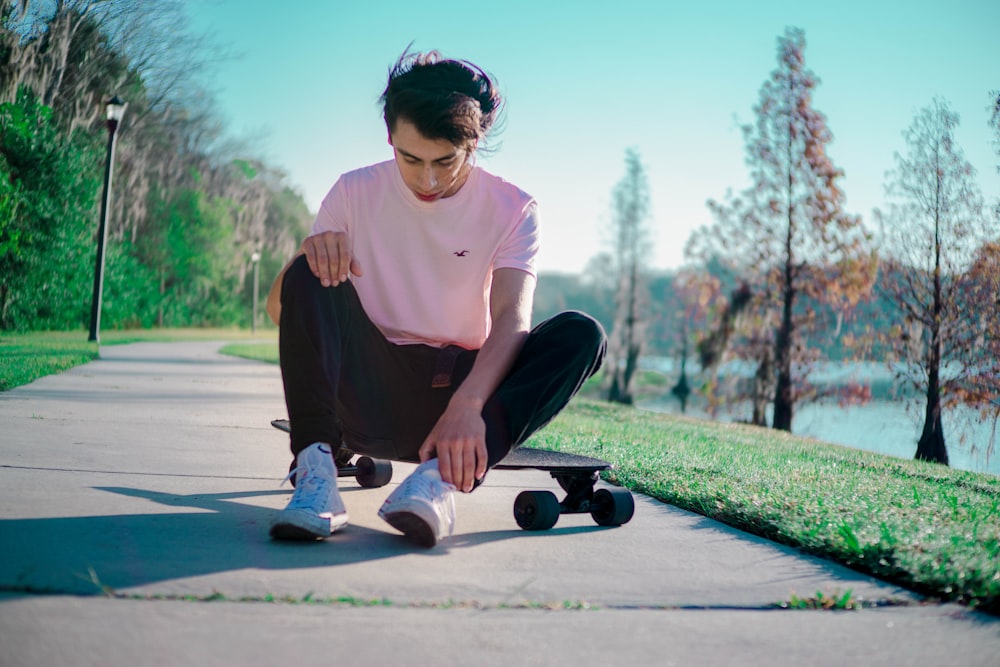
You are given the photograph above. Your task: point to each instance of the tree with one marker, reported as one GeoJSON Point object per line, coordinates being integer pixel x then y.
{"type": "Point", "coordinates": [698, 293]}
{"type": "Point", "coordinates": [788, 238]}
{"type": "Point", "coordinates": [48, 192]}
{"type": "Point", "coordinates": [943, 275]}
{"type": "Point", "coordinates": [189, 210]}
{"type": "Point", "coordinates": [630, 248]}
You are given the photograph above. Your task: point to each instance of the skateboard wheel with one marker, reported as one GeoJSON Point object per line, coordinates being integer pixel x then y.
{"type": "Point", "coordinates": [373, 473]}
{"type": "Point", "coordinates": [536, 510]}
{"type": "Point", "coordinates": [612, 507]}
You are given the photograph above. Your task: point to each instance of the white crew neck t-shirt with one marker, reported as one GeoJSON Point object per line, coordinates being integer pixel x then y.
{"type": "Point", "coordinates": [428, 266]}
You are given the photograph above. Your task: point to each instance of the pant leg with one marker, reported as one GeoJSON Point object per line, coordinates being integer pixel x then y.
{"type": "Point", "coordinates": [322, 330]}
{"type": "Point", "coordinates": [344, 382]}
{"type": "Point", "coordinates": [559, 355]}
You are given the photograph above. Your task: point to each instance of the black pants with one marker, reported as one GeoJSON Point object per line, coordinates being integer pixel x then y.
{"type": "Point", "coordinates": [344, 382]}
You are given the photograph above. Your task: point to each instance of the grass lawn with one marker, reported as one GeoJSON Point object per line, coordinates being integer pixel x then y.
{"type": "Point", "coordinates": [927, 527]}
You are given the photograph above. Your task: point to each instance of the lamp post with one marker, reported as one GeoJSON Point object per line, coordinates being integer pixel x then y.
{"type": "Point", "coordinates": [255, 258]}
{"type": "Point", "coordinates": [115, 110]}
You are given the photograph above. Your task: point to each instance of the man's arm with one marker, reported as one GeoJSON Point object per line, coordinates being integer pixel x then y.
{"type": "Point", "coordinates": [459, 437]}
{"type": "Point", "coordinates": [273, 303]}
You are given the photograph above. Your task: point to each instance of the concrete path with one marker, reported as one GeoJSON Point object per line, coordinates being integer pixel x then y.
{"type": "Point", "coordinates": [135, 496]}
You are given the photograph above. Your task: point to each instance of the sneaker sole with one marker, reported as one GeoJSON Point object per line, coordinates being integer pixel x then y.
{"type": "Point", "coordinates": [413, 528]}
{"type": "Point", "coordinates": [288, 530]}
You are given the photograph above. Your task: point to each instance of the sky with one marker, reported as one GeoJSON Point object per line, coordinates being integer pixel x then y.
{"type": "Point", "coordinates": [585, 80]}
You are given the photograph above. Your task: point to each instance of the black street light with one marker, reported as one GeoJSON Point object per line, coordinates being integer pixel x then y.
{"type": "Point", "coordinates": [255, 258]}
{"type": "Point", "coordinates": [115, 109]}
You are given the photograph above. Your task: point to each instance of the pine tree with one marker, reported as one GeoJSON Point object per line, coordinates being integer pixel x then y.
{"type": "Point", "coordinates": [631, 249]}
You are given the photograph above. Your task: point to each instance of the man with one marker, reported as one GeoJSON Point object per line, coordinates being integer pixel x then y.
{"type": "Point", "coordinates": [405, 319]}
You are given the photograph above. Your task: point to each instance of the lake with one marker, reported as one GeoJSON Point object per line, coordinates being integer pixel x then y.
{"type": "Point", "coordinates": [887, 427]}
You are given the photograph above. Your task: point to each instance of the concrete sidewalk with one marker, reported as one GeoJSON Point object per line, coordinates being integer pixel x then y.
{"type": "Point", "coordinates": [135, 496]}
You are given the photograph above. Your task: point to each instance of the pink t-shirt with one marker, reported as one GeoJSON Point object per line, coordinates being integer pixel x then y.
{"type": "Point", "coordinates": [428, 266]}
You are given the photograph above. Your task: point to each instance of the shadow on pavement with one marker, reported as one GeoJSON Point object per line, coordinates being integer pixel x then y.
{"type": "Point", "coordinates": [93, 554]}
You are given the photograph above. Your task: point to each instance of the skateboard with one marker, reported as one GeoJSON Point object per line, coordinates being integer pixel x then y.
{"type": "Point", "coordinates": [533, 510]}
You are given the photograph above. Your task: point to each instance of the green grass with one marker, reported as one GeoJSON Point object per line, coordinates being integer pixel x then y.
{"type": "Point", "coordinates": [926, 527]}
{"type": "Point", "coordinates": [27, 357]}
{"type": "Point", "coordinates": [257, 351]}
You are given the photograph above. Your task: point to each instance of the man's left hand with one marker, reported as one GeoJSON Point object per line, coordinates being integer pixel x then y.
{"type": "Point", "coordinates": [459, 439]}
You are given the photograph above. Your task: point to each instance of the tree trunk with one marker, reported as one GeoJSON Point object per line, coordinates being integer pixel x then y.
{"type": "Point", "coordinates": [620, 390]}
{"type": "Point", "coordinates": [682, 389]}
{"type": "Point", "coordinates": [783, 401]}
{"type": "Point", "coordinates": [163, 291]}
{"type": "Point", "coordinates": [931, 446]}
{"type": "Point", "coordinates": [631, 365]}
{"type": "Point", "coordinates": [761, 382]}
{"type": "Point", "coordinates": [784, 404]}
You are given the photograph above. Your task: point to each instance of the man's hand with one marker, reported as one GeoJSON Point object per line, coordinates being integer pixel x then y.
{"type": "Point", "coordinates": [459, 439]}
{"type": "Point", "coordinates": [459, 436]}
{"type": "Point", "coordinates": [329, 257]}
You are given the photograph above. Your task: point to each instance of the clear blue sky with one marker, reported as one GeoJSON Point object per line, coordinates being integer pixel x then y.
{"type": "Point", "coordinates": [585, 80]}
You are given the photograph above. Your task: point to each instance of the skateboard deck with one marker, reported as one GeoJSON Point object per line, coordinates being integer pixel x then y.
{"type": "Point", "coordinates": [577, 475]}
{"type": "Point", "coordinates": [550, 461]}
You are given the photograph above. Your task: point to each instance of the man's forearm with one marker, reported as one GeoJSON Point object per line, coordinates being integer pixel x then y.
{"type": "Point", "coordinates": [492, 364]}
{"type": "Point", "coordinates": [510, 307]}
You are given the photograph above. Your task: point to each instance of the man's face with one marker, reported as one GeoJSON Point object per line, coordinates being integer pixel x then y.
{"type": "Point", "coordinates": [431, 168]}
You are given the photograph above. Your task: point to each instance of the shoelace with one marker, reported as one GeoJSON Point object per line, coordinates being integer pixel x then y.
{"type": "Point", "coordinates": [291, 473]}
{"type": "Point", "coordinates": [307, 490]}
{"type": "Point", "coordinates": [438, 492]}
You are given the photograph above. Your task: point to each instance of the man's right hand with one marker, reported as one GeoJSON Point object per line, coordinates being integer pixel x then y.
{"type": "Point", "coordinates": [329, 257]}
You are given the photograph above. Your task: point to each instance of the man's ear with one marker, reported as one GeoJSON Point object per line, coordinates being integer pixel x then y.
{"type": "Point", "coordinates": [388, 137]}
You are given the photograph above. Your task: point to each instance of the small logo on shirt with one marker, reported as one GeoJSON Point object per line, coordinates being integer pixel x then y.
{"type": "Point", "coordinates": [460, 253]}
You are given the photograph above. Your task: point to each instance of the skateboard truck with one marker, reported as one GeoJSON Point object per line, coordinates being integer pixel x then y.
{"type": "Point", "coordinates": [576, 475]}
{"type": "Point", "coordinates": [371, 473]}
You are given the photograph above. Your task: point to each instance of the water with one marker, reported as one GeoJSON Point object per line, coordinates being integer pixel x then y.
{"type": "Point", "coordinates": [887, 427]}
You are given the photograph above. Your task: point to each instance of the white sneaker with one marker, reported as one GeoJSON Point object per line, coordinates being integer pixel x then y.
{"type": "Point", "coordinates": [315, 510]}
{"type": "Point", "coordinates": [422, 507]}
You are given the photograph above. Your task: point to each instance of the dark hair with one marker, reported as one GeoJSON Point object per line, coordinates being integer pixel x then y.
{"type": "Point", "coordinates": [445, 99]}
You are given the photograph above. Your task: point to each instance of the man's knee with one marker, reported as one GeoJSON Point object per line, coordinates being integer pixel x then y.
{"type": "Point", "coordinates": [298, 275]}
{"type": "Point", "coordinates": [580, 331]}
{"type": "Point", "coordinates": [579, 326]}
{"type": "Point", "coordinates": [302, 284]}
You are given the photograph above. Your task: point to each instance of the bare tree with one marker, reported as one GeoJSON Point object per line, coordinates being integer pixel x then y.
{"type": "Point", "coordinates": [631, 249]}
{"type": "Point", "coordinates": [788, 237]}
{"type": "Point", "coordinates": [939, 272]}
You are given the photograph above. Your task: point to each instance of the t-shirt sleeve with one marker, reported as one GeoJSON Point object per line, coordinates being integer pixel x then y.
{"type": "Point", "coordinates": [519, 249]}
{"type": "Point", "coordinates": [333, 212]}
